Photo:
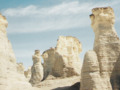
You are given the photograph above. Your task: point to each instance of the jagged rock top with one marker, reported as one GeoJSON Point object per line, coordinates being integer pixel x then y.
{"type": "Point", "coordinates": [3, 21]}
{"type": "Point", "coordinates": [67, 42]}
{"type": "Point", "coordinates": [37, 52]}
{"type": "Point", "coordinates": [102, 15]}
{"type": "Point", "coordinates": [69, 37]}
{"type": "Point", "coordinates": [64, 43]}
{"type": "Point", "coordinates": [102, 9]}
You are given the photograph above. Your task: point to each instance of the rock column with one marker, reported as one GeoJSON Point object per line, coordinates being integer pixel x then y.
{"type": "Point", "coordinates": [107, 49]}
{"type": "Point", "coordinates": [37, 69]}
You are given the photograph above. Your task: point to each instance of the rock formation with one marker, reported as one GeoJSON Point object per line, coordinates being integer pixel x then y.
{"type": "Point", "coordinates": [90, 75]}
{"type": "Point", "coordinates": [63, 60]}
{"type": "Point", "coordinates": [7, 59]}
{"type": "Point", "coordinates": [100, 69]}
{"type": "Point", "coordinates": [27, 73]}
{"type": "Point", "coordinates": [10, 79]}
{"type": "Point", "coordinates": [20, 68]}
{"type": "Point", "coordinates": [37, 69]}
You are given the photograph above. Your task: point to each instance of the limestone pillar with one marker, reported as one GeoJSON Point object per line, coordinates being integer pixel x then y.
{"type": "Point", "coordinates": [37, 69]}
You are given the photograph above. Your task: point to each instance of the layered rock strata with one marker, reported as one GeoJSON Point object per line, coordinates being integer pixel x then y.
{"type": "Point", "coordinates": [106, 54]}
{"type": "Point", "coordinates": [37, 69]}
{"type": "Point", "coordinates": [90, 75]}
{"type": "Point", "coordinates": [63, 60]}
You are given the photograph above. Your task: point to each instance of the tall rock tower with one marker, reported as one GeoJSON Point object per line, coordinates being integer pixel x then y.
{"type": "Point", "coordinates": [107, 53]}
{"type": "Point", "coordinates": [37, 69]}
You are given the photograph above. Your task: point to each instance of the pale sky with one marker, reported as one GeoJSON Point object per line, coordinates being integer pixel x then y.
{"type": "Point", "coordinates": [37, 24]}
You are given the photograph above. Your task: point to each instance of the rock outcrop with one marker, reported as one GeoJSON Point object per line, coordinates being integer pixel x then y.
{"type": "Point", "coordinates": [10, 79]}
{"type": "Point", "coordinates": [37, 69]}
{"type": "Point", "coordinates": [63, 60]}
{"type": "Point", "coordinates": [7, 58]}
{"type": "Point", "coordinates": [100, 70]}
{"type": "Point", "coordinates": [90, 75]}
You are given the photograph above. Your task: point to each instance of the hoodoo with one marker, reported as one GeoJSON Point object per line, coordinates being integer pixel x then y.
{"type": "Point", "coordinates": [37, 69]}
{"type": "Point", "coordinates": [100, 69]}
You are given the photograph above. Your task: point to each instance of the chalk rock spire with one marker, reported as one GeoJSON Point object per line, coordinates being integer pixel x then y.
{"type": "Point", "coordinates": [102, 22]}
{"type": "Point", "coordinates": [37, 69]}
{"type": "Point", "coordinates": [107, 49]}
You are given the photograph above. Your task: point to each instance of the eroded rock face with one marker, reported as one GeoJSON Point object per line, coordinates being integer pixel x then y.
{"type": "Point", "coordinates": [90, 76]}
{"type": "Point", "coordinates": [37, 69]}
{"type": "Point", "coordinates": [10, 79]}
{"type": "Point", "coordinates": [107, 49]}
{"type": "Point", "coordinates": [63, 60]}
{"type": "Point", "coordinates": [7, 57]}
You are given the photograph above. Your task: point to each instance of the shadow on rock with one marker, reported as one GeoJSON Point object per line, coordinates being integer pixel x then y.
{"type": "Point", "coordinates": [76, 86]}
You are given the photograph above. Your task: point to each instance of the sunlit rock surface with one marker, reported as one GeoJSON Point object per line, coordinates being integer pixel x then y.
{"type": "Point", "coordinates": [90, 76]}
{"type": "Point", "coordinates": [107, 49]}
{"type": "Point", "coordinates": [10, 79]}
{"type": "Point", "coordinates": [63, 60]}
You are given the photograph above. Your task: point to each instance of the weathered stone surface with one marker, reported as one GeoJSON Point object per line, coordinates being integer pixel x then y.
{"type": "Point", "coordinates": [20, 68]}
{"type": "Point", "coordinates": [7, 57]}
{"type": "Point", "coordinates": [37, 69]}
{"type": "Point", "coordinates": [63, 60]}
{"type": "Point", "coordinates": [90, 76]}
{"type": "Point", "coordinates": [107, 48]}
{"type": "Point", "coordinates": [10, 79]}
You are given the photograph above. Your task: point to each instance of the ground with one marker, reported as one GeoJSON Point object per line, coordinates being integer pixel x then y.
{"type": "Point", "coordinates": [71, 83]}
